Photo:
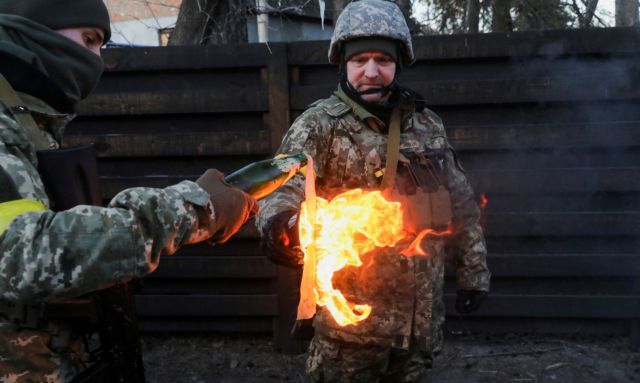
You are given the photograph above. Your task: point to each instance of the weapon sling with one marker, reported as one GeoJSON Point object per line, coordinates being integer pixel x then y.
{"type": "Point", "coordinates": [393, 150]}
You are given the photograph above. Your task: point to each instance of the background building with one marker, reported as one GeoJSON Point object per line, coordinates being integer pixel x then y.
{"type": "Point", "coordinates": [150, 22]}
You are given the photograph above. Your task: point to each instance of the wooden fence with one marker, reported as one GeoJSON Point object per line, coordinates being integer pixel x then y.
{"type": "Point", "coordinates": [547, 126]}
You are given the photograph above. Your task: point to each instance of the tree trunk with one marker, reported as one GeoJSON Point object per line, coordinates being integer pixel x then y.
{"type": "Point", "coordinates": [229, 23]}
{"type": "Point", "coordinates": [472, 20]}
{"type": "Point", "coordinates": [192, 22]}
{"type": "Point", "coordinates": [336, 8]}
{"type": "Point", "coordinates": [501, 20]}
{"type": "Point", "coordinates": [587, 17]}
{"type": "Point", "coordinates": [540, 15]}
{"type": "Point", "coordinates": [210, 22]}
{"type": "Point", "coordinates": [405, 6]}
{"type": "Point", "coordinates": [626, 13]}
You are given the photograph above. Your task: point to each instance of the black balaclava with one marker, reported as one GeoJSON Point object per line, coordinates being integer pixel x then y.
{"type": "Point", "coordinates": [41, 62]}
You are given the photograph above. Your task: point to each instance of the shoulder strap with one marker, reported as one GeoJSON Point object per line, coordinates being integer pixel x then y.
{"type": "Point", "coordinates": [22, 114]}
{"type": "Point", "coordinates": [393, 150]}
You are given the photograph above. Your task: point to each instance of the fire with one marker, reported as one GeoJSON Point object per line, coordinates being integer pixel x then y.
{"type": "Point", "coordinates": [415, 249]}
{"type": "Point", "coordinates": [351, 224]}
{"type": "Point", "coordinates": [483, 201]}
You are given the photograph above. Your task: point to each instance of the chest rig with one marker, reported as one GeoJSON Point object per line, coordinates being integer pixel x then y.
{"type": "Point", "coordinates": [413, 171]}
{"type": "Point", "coordinates": [416, 176]}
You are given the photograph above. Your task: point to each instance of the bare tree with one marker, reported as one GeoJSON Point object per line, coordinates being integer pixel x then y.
{"type": "Point", "coordinates": [541, 14]}
{"type": "Point", "coordinates": [336, 7]}
{"type": "Point", "coordinates": [501, 20]}
{"type": "Point", "coordinates": [210, 22]}
{"type": "Point", "coordinates": [626, 13]}
{"type": "Point", "coordinates": [472, 22]}
{"type": "Point", "coordinates": [192, 22]}
{"type": "Point", "coordinates": [585, 18]}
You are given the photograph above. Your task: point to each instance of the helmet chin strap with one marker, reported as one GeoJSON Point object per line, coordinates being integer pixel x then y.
{"type": "Point", "coordinates": [382, 90]}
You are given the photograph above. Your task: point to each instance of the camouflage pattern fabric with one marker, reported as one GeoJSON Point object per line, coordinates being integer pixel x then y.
{"type": "Point", "coordinates": [348, 147]}
{"type": "Point", "coordinates": [337, 361]}
{"type": "Point", "coordinates": [371, 18]}
{"type": "Point", "coordinates": [50, 255]}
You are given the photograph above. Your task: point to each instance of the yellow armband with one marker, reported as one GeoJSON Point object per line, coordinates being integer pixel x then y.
{"type": "Point", "coordinates": [10, 210]}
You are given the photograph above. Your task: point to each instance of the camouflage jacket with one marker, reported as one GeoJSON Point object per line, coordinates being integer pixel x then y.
{"type": "Point", "coordinates": [46, 255]}
{"type": "Point", "coordinates": [348, 147]}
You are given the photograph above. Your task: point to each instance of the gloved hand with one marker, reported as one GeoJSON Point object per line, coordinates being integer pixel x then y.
{"type": "Point", "coordinates": [281, 242]}
{"type": "Point", "coordinates": [232, 206]}
{"type": "Point", "coordinates": [468, 301]}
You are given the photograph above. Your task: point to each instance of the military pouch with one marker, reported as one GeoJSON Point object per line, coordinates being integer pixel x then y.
{"type": "Point", "coordinates": [425, 210]}
{"type": "Point", "coordinates": [441, 213]}
{"type": "Point", "coordinates": [419, 187]}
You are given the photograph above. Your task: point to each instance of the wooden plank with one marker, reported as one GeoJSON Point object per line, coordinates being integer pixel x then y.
{"type": "Point", "coordinates": [233, 248]}
{"type": "Point", "coordinates": [185, 57]}
{"type": "Point", "coordinates": [592, 244]}
{"type": "Point", "coordinates": [206, 305]}
{"type": "Point", "coordinates": [564, 224]}
{"type": "Point", "coordinates": [492, 45]}
{"type": "Point", "coordinates": [529, 43]}
{"type": "Point", "coordinates": [457, 325]}
{"type": "Point", "coordinates": [177, 144]}
{"type": "Point", "coordinates": [545, 136]}
{"type": "Point", "coordinates": [564, 265]}
{"type": "Point", "coordinates": [531, 182]}
{"type": "Point", "coordinates": [544, 89]}
{"type": "Point", "coordinates": [585, 112]}
{"type": "Point", "coordinates": [497, 91]}
{"type": "Point", "coordinates": [549, 158]}
{"type": "Point", "coordinates": [225, 267]}
{"type": "Point", "coordinates": [635, 335]}
{"type": "Point", "coordinates": [170, 101]}
{"type": "Point", "coordinates": [166, 123]}
{"type": "Point", "coordinates": [277, 120]}
{"type": "Point", "coordinates": [560, 286]}
{"type": "Point", "coordinates": [526, 183]}
{"type": "Point", "coordinates": [214, 286]}
{"type": "Point", "coordinates": [569, 202]}
{"type": "Point", "coordinates": [553, 306]}
{"type": "Point", "coordinates": [242, 325]}
{"type": "Point", "coordinates": [550, 45]}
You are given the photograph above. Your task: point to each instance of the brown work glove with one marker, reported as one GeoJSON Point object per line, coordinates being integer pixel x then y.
{"type": "Point", "coordinates": [232, 206]}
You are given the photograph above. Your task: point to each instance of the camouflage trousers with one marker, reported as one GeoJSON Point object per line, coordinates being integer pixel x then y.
{"type": "Point", "coordinates": [30, 356]}
{"type": "Point", "coordinates": [332, 360]}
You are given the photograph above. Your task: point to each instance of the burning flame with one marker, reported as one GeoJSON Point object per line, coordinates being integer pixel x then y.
{"type": "Point", "coordinates": [415, 249]}
{"type": "Point", "coordinates": [352, 223]}
{"type": "Point", "coordinates": [483, 201]}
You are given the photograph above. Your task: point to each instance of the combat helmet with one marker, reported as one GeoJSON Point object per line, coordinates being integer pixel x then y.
{"type": "Point", "coordinates": [371, 18]}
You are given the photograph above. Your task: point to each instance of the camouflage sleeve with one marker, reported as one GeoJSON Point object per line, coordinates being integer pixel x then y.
{"type": "Point", "coordinates": [47, 255]}
{"type": "Point", "coordinates": [305, 135]}
{"type": "Point", "coordinates": [468, 241]}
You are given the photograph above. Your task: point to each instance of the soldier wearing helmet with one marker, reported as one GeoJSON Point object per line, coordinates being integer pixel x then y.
{"type": "Point", "coordinates": [375, 134]}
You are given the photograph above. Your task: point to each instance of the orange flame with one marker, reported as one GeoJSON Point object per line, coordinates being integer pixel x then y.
{"type": "Point", "coordinates": [415, 249]}
{"type": "Point", "coordinates": [483, 201]}
{"type": "Point", "coordinates": [352, 223]}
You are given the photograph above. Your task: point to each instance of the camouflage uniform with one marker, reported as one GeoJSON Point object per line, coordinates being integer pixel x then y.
{"type": "Point", "coordinates": [348, 147]}
{"type": "Point", "coordinates": [348, 144]}
{"type": "Point", "coordinates": [46, 255]}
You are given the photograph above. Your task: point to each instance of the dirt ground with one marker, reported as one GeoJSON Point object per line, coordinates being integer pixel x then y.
{"type": "Point", "coordinates": [467, 358]}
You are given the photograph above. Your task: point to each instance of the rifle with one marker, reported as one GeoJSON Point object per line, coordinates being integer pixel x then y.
{"type": "Point", "coordinates": [70, 177]}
